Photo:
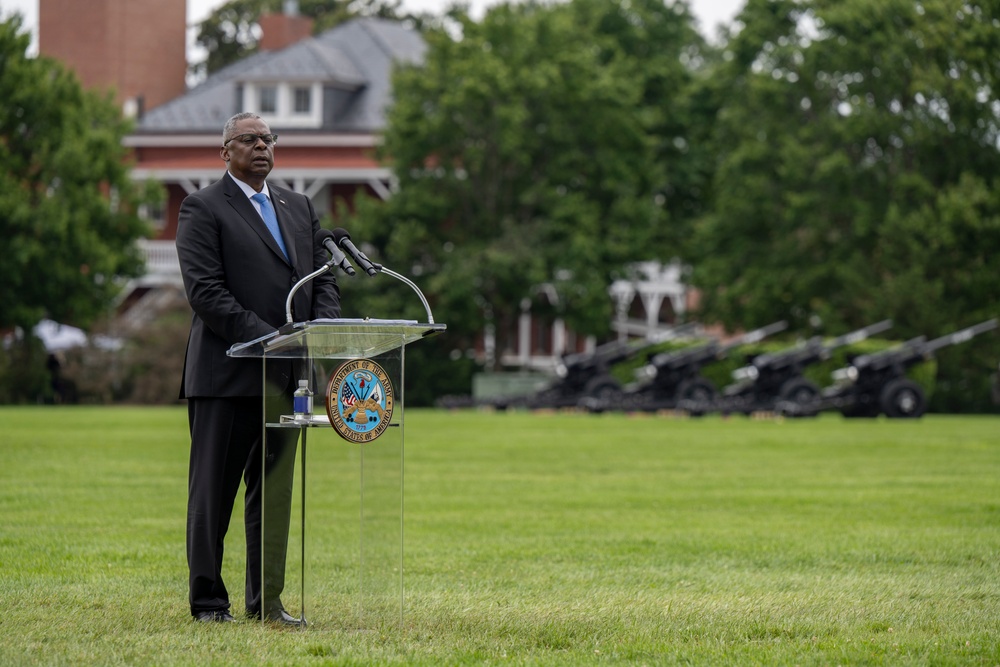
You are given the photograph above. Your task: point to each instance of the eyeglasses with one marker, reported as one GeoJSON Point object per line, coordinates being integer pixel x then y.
{"type": "Point", "coordinates": [251, 139]}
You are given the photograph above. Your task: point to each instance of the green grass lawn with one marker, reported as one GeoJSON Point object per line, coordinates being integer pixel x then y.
{"type": "Point", "coordinates": [540, 539]}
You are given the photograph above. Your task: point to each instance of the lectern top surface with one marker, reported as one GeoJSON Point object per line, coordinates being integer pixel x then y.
{"type": "Point", "coordinates": [336, 338]}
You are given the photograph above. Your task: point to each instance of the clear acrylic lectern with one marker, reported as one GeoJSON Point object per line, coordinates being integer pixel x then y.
{"type": "Point", "coordinates": [352, 556]}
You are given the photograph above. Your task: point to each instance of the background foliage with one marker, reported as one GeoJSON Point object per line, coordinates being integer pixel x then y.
{"type": "Point", "coordinates": [69, 212]}
{"type": "Point", "coordinates": [528, 161]}
{"type": "Point", "coordinates": [858, 156]}
{"type": "Point", "coordinates": [831, 162]}
{"type": "Point", "coordinates": [68, 209]}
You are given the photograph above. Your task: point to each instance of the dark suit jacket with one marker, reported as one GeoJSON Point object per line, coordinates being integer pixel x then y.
{"type": "Point", "coordinates": [237, 281]}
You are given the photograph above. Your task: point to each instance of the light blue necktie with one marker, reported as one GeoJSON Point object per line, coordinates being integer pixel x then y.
{"type": "Point", "coordinates": [270, 219]}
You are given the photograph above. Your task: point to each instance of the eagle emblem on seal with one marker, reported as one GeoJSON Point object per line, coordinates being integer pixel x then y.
{"type": "Point", "coordinates": [359, 400]}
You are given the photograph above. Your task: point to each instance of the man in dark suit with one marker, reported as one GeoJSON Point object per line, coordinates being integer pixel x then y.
{"type": "Point", "coordinates": [237, 275]}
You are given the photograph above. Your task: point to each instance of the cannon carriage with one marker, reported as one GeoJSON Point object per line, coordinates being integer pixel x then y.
{"type": "Point", "coordinates": [673, 380]}
{"type": "Point", "coordinates": [586, 377]}
{"type": "Point", "coordinates": [876, 383]}
{"type": "Point", "coordinates": [774, 381]}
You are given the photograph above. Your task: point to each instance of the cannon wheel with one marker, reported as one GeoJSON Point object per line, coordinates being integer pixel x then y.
{"type": "Point", "coordinates": [604, 388]}
{"type": "Point", "coordinates": [903, 399]}
{"type": "Point", "coordinates": [801, 392]}
{"type": "Point", "coordinates": [696, 395]}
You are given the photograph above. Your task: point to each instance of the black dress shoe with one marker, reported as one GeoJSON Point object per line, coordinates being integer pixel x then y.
{"type": "Point", "coordinates": [282, 617]}
{"type": "Point", "coordinates": [214, 616]}
{"type": "Point", "coordinates": [279, 616]}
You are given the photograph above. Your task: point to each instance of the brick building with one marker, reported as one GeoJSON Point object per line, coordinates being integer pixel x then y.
{"type": "Point", "coordinates": [324, 95]}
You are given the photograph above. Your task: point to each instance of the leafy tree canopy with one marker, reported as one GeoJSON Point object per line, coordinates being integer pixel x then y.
{"type": "Point", "coordinates": [67, 206]}
{"type": "Point", "coordinates": [530, 154]}
{"type": "Point", "coordinates": [858, 166]}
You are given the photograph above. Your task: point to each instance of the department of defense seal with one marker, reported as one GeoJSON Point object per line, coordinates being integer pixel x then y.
{"type": "Point", "coordinates": [359, 400]}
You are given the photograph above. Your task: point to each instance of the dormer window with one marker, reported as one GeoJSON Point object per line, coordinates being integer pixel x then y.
{"type": "Point", "coordinates": [267, 100]}
{"type": "Point", "coordinates": [284, 104]}
{"type": "Point", "coordinates": [302, 96]}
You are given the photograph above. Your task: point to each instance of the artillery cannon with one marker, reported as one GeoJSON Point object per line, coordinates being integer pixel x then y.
{"type": "Point", "coordinates": [775, 378]}
{"type": "Point", "coordinates": [673, 380]}
{"type": "Point", "coordinates": [876, 383]}
{"type": "Point", "coordinates": [587, 375]}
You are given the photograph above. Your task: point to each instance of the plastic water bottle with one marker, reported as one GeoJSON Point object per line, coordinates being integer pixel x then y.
{"type": "Point", "coordinates": [302, 402]}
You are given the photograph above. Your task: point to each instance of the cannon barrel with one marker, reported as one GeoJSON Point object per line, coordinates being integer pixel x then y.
{"type": "Point", "coordinates": [613, 352]}
{"type": "Point", "coordinates": [812, 350]}
{"type": "Point", "coordinates": [700, 355]}
{"type": "Point", "coordinates": [602, 354]}
{"type": "Point", "coordinates": [960, 336]}
{"type": "Point", "coordinates": [918, 349]}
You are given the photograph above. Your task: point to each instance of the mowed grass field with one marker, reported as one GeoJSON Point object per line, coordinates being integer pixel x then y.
{"type": "Point", "coordinates": [536, 539]}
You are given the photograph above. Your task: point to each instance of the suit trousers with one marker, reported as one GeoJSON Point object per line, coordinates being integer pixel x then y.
{"type": "Point", "coordinates": [226, 444]}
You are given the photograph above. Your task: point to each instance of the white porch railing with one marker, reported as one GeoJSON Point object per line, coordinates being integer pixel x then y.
{"type": "Point", "coordinates": [162, 267]}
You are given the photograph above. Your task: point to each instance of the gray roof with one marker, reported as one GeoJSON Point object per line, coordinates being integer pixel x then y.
{"type": "Point", "coordinates": [354, 61]}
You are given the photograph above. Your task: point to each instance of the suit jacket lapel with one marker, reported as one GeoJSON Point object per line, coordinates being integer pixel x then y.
{"type": "Point", "coordinates": [241, 204]}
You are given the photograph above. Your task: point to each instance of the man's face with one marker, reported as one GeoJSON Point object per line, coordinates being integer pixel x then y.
{"type": "Point", "coordinates": [251, 163]}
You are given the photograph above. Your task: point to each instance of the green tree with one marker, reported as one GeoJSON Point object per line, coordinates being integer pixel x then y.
{"type": "Point", "coordinates": [857, 166]}
{"type": "Point", "coordinates": [526, 159]}
{"type": "Point", "coordinates": [230, 33]}
{"type": "Point", "coordinates": [847, 122]}
{"type": "Point", "coordinates": [68, 210]}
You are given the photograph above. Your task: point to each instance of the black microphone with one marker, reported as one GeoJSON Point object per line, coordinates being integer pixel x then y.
{"type": "Point", "coordinates": [343, 239]}
{"type": "Point", "coordinates": [325, 238]}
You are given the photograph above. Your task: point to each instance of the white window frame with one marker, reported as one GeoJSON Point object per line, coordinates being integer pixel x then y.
{"type": "Point", "coordinates": [285, 115]}
{"type": "Point", "coordinates": [260, 96]}
{"type": "Point", "coordinates": [292, 99]}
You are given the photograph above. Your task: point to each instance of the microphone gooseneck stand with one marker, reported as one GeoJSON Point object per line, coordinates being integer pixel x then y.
{"type": "Point", "coordinates": [427, 308]}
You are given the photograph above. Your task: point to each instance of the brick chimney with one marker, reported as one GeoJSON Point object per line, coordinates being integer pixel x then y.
{"type": "Point", "coordinates": [135, 47]}
{"type": "Point", "coordinates": [281, 30]}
